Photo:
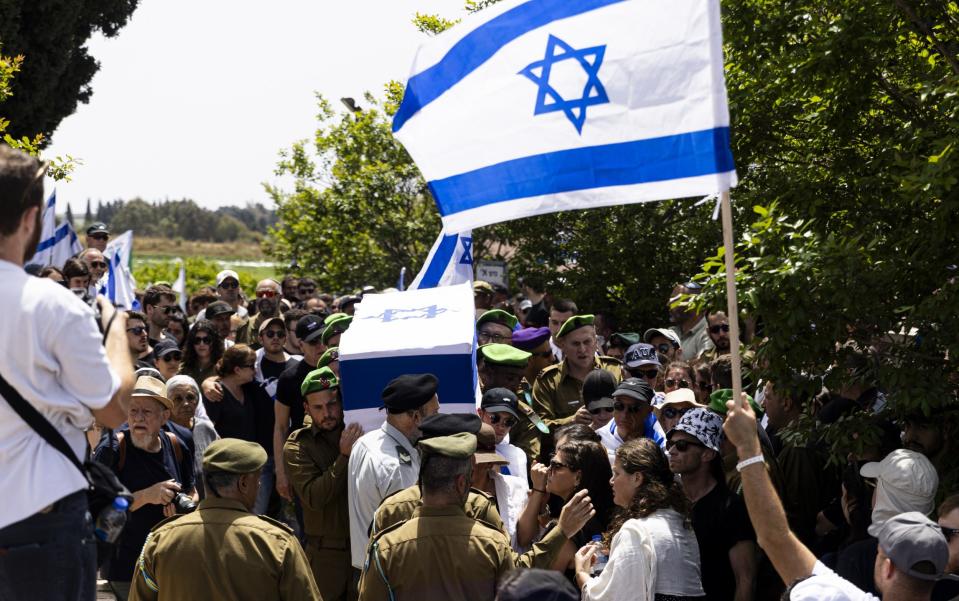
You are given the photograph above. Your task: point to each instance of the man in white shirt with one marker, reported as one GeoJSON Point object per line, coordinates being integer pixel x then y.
{"type": "Point", "coordinates": [386, 460]}
{"type": "Point", "coordinates": [56, 360]}
{"type": "Point", "coordinates": [913, 552]}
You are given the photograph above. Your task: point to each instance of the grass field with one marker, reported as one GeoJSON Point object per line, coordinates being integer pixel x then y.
{"type": "Point", "coordinates": [245, 257]}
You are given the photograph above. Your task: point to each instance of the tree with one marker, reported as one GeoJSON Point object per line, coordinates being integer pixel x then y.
{"type": "Point", "coordinates": [69, 216]}
{"type": "Point", "coordinates": [56, 73]}
{"type": "Point", "coordinates": [88, 215]}
{"type": "Point", "coordinates": [358, 211]}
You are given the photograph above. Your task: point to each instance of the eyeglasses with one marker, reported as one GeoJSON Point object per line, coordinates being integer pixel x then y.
{"type": "Point", "coordinates": [949, 532]}
{"type": "Point", "coordinates": [98, 264]}
{"type": "Point", "coordinates": [601, 410]}
{"type": "Point", "coordinates": [265, 293]}
{"type": "Point", "coordinates": [275, 334]}
{"type": "Point", "coordinates": [174, 356]}
{"type": "Point", "coordinates": [705, 386]}
{"type": "Point", "coordinates": [673, 412]}
{"type": "Point", "coordinates": [485, 335]}
{"type": "Point", "coordinates": [621, 406]}
{"type": "Point", "coordinates": [722, 327]}
{"type": "Point", "coordinates": [202, 340]}
{"type": "Point", "coordinates": [496, 418]}
{"type": "Point", "coordinates": [677, 383]}
{"type": "Point", "coordinates": [555, 465]}
{"type": "Point", "coordinates": [101, 237]}
{"type": "Point", "coordinates": [683, 445]}
{"type": "Point", "coordinates": [137, 331]}
{"type": "Point", "coordinates": [230, 285]}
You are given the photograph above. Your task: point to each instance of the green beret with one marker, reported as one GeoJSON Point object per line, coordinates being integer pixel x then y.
{"type": "Point", "coordinates": [332, 354]}
{"type": "Point", "coordinates": [234, 456]}
{"type": "Point", "coordinates": [336, 326]}
{"type": "Point", "coordinates": [504, 354]}
{"type": "Point", "coordinates": [333, 317]}
{"type": "Point", "coordinates": [624, 339]}
{"type": "Point", "coordinates": [574, 323]}
{"type": "Point", "coordinates": [319, 379]}
{"type": "Point", "coordinates": [717, 402]}
{"type": "Point", "coordinates": [456, 446]}
{"type": "Point", "coordinates": [497, 316]}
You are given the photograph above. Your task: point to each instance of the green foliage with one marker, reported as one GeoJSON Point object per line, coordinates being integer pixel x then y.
{"type": "Point", "coordinates": [199, 273]}
{"type": "Point", "coordinates": [53, 35]}
{"type": "Point", "coordinates": [185, 219]}
{"type": "Point", "coordinates": [358, 211]}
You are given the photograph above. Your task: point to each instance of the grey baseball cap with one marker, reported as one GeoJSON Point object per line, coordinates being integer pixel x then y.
{"type": "Point", "coordinates": [916, 545]}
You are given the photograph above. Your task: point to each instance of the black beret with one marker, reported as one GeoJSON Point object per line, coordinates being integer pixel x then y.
{"type": "Point", "coordinates": [409, 391]}
{"type": "Point", "coordinates": [447, 424]}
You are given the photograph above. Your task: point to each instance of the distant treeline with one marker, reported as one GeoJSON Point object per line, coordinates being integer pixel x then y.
{"type": "Point", "coordinates": [183, 219]}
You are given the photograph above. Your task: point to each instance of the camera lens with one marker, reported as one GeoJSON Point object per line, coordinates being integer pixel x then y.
{"type": "Point", "coordinates": [183, 503]}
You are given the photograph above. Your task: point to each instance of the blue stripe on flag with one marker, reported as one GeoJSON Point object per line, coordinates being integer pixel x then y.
{"type": "Point", "coordinates": [479, 45]}
{"type": "Point", "coordinates": [439, 261]}
{"type": "Point", "coordinates": [60, 233]}
{"type": "Point", "coordinates": [641, 161]}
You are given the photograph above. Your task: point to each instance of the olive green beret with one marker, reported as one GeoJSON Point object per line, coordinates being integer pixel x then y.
{"type": "Point", "coordinates": [504, 354]}
{"type": "Point", "coordinates": [497, 316]}
{"type": "Point", "coordinates": [234, 456]}
{"type": "Point", "coordinates": [332, 354]}
{"type": "Point", "coordinates": [456, 446]}
{"type": "Point", "coordinates": [319, 379]}
{"type": "Point", "coordinates": [336, 326]}
{"type": "Point", "coordinates": [574, 323]}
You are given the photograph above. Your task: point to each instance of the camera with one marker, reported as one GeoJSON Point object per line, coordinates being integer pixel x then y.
{"type": "Point", "coordinates": [85, 295]}
{"type": "Point", "coordinates": [183, 503]}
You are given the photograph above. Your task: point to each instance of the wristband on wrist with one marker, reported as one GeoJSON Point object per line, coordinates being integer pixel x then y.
{"type": "Point", "coordinates": [538, 490]}
{"type": "Point", "coordinates": [747, 462]}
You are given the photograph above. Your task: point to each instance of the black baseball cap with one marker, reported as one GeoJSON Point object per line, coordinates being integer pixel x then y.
{"type": "Point", "coordinates": [309, 328]}
{"type": "Point", "coordinates": [635, 388]}
{"type": "Point", "coordinates": [217, 308]}
{"type": "Point", "coordinates": [98, 228]}
{"type": "Point", "coordinates": [497, 400]}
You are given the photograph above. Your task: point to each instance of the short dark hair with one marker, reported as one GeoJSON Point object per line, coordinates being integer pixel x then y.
{"type": "Point", "coordinates": [949, 504]}
{"type": "Point", "coordinates": [21, 187]}
{"type": "Point", "coordinates": [438, 473]}
{"type": "Point", "coordinates": [288, 279]}
{"type": "Point", "coordinates": [721, 371]}
{"type": "Point", "coordinates": [74, 268]}
{"type": "Point", "coordinates": [534, 283]}
{"type": "Point", "coordinates": [131, 314]}
{"type": "Point", "coordinates": [565, 305]}
{"type": "Point", "coordinates": [308, 281]}
{"type": "Point", "coordinates": [235, 356]}
{"type": "Point", "coordinates": [154, 294]}
{"type": "Point", "coordinates": [292, 316]}
{"type": "Point", "coordinates": [219, 480]}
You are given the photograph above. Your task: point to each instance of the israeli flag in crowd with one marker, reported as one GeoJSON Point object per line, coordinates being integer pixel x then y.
{"type": "Point", "coordinates": [450, 262]}
{"type": "Point", "coordinates": [530, 107]}
{"type": "Point", "coordinates": [413, 332]}
{"type": "Point", "coordinates": [57, 244]}
{"type": "Point", "coordinates": [179, 286]}
{"type": "Point", "coordinates": [118, 283]}
{"type": "Point", "coordinates": [122, 244]}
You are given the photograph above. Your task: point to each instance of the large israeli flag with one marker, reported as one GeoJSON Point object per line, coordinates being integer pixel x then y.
{"type": "Point", "coordinates": [450, 262]}
{"type": "Point", "coordinates": [536, 106]}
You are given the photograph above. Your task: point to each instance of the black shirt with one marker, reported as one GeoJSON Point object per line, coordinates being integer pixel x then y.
{"type": "Point", "coordinates": [720, 521]}
{"type": "Point", "coordinates": [235, 419]}
{"type": "Point", "coordinates": [288, 391]}
{"type": "Point", "coordinates": [141, 469]}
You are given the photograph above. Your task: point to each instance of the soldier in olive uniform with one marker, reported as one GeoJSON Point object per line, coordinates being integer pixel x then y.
{"type": "Point", "coordinates": [440, 553]}
{"type": "Point", "coordinates": [317, 457]}
{"type": "Point", "coordinates": [558, 390]}
{"type": "Point", "coordinates": [221, 551]}
{"type": "Point", "coordinates": [401, 506]}
{"type": "Point", "coordinates": [503, 366]}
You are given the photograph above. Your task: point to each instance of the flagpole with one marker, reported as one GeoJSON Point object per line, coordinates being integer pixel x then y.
{"type": "Point", "coordinates": [732, 306]}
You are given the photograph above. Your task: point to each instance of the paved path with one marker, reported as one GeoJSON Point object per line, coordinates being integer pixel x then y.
{"type": "Point", "coordinates": [103, 591]}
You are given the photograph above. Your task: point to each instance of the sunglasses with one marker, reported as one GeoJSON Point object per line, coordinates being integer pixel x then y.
{"type": "Point", "coordinates": [101, 237]}
{"type": "Point", "coordinates": [172, 357]}
{"type": "Point", "coordinates": [306, 290]}
{"type": "Point", "coordinates": [170, 309]}
{"type": "Point", "coordinates": [949, 532]}
{"type": "Point", "coordinates": [705, 386]}
{"type": "Point", "coordinates": [496, 418]}
{"type": "Point", "coordinates": [723, 327]}
{"type": "Point", "coordinates": [265, 293]}
{"type": "Point", "coordinates": [137, 331]}
{"type": "Point", "coordinates": [229, 285]}
{"type": "Point", "coordinates": [202, 340]}
{"type": "Point", "coordinates": [555, 465]}
{"type": "Point", "coordinates": [99, 264]}
{"type": "Point", "coordinates": [664, 348]}
{"type": "Point", "coordinates": [620, 406]}
{"type": "Point", "coordinates": [548, 354]}
{"type": "Point", "coordinates": [683, 445]}
{"type": "Point", "coordinates": [600, 410]}
{"type": "Point", "coordinates": [250, 366]}
{"type": "Point", "coordinates": [672, 412]}
{"type": "Point", "coordinates": [275, 334]}
{"type": "Point", "coordinates": [677, 383]}
{"type": "Point", "coordinates": [649, 374]}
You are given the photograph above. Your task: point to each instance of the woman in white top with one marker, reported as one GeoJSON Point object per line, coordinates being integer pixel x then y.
{"type": "Point", "coordinates": [653, 553]}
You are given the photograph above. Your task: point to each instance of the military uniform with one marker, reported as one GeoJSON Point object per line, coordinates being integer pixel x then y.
{"type": "Point", "coordinates": [557, 395]}
{"type": "Point", "coordinates": [525, 434]}
{"type": "Point", "coordinates": [318, 473]}
{"type": "Point", "coordinates": [222, 552]}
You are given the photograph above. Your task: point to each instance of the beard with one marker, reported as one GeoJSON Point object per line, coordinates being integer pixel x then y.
{"type": "Point", "coordinates": [266, 306]}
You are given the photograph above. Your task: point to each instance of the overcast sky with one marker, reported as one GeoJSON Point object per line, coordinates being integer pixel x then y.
{"type": "Point", "coordinates": [195, 99]}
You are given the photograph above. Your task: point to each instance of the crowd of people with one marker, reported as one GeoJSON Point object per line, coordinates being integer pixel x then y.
{"type": "Point", "coordinates": [600, 464]}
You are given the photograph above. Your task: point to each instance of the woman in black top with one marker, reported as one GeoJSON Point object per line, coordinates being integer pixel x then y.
{"type": "Point", "coordinates": [235, 416]}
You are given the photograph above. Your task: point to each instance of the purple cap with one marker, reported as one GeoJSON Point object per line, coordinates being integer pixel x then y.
{"type": "Point", "coordinates": [529, 338]}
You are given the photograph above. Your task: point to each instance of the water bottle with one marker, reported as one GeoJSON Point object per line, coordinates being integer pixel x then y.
{"type": "Point", "coordinates": [111, 520]}
{"type": "Point", "coordinates": [601, 557]}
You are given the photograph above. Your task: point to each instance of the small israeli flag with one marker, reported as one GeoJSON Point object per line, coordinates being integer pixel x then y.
{"type": "Point", "coordinates": [57, 243]}
{"type": "Point", "coordinates": [535, 106]}
{"type": "Point", "coordinates": [450, 262]}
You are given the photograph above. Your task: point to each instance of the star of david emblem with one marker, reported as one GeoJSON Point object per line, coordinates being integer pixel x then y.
{"type": "Point", "coordinates": [548, 100]}
{"type": "Point", "coordinates": [467, 258]}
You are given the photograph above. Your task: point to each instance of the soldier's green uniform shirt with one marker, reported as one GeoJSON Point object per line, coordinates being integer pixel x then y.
{"type": "Point", "coordinates": [222, 552]}
{"type": "Point", "coordinates": [399, 507]}
{"type": "Point", "coordinates": [557, 395]}
{"type": "Point", "coordinates": [440, 553]}
{"type": "Point", "coordinates": [318, 473]}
